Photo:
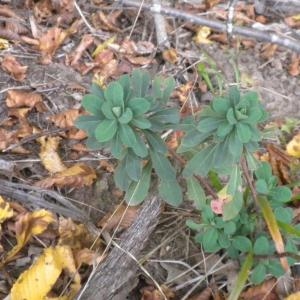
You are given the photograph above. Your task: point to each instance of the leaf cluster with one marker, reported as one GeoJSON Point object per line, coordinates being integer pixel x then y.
{"type": "Point", "coordinates": [128, 118]}
{"type": "Point", "coordinates": [227, 128]}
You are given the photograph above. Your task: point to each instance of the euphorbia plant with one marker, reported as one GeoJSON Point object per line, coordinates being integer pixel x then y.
{"type": "Point", "coordinates": [128, 118]}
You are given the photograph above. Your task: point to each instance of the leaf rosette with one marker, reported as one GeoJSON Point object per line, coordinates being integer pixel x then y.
{"type": "Point", "coordinates": [128, 118]}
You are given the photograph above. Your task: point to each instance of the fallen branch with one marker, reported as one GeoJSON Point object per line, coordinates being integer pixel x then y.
{"type": "Point", "coordinates": [112, 277]}
{"type": "Point", "coordinates": [249, 33]}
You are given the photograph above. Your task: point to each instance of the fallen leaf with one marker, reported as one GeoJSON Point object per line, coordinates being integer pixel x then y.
{"type": "Point", "coordinates": [88, 257]}
{"type": "Point", "coordinates": [101, 21]}
{"type": "Point", "coordinates": [76, 176]}
{"type": "Point", "coordinates": [6, 211]}
{"type": "Point", "coordinates": [66, 118]}
{"type": "Point", "coordinates": [151, 293]}
{"type": "Point", "coordinates": [293, 147]}
{"type": "Point", "coordinates": [4, 44]}
{"type": "Point", "coordinates": [264, 291]}
{"type": "Point", "coordinates": [18, 98]}
{"type": "Point", "coordinates": [28, 224]}
{"type": "Point", "coordinates": [48, 154]}
{"type": "Point", "coordinates": [294, 296]}
{"type": "Point", "coordinates": [43, 11]}
{"type": "Point", "coordinates": [75, 235]}
{"type": "Point", "coordinates": [293, 21]}
{"type": "Point", "coordinates": [14, 68]}
{"type": "Point", "coordinates": [202, 35]}
{"type": "Point", "coordinates": [122, 217]}
{"type": "Point", "coordinates": [268, 50]}
{"type": "Point", "coordinates": [6, 138]}
{"type": "Point", "coordinates": [204, 295]}
{"type": "Point", "coordinates": [294, 67]}
{"type": "Point", "coordinates": [171, 56]}
{"type": "Point", "coordinates": [36, 282]}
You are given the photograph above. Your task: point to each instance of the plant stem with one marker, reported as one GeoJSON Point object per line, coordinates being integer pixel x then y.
{"type": "Point", "coordinates": [202, 180]}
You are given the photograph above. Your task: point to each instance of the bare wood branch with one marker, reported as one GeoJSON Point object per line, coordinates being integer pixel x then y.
{"type": "Point", "coordinates": [113, 275]}
{"type": "Point", "coordinates": [262, 36]}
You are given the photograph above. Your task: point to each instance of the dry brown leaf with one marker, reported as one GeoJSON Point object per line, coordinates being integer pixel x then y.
{"type": "Point", "coordinates": [36, 282]}
{"type": "Point", "coordinates": [43, 11]}
{"type": "Point", "coordinates": [88, 257]}
{"type": "Point", "coordinates": [14, 68]}
{"type": "Point", "coordinates": [50, 42]}
{"type": "Point", "coordinates": [151, 293]}
{"type": "Point", "coordinates": [264, 291]}
{"type": "Point", "coordinates": [86, 41]}
{"type": "Point", "coordinates": [28, 224]}
{"type": "Point", "coordinates": [295, 296]}
{"type": "Point", "coordinates": [6, 138]}
{"type": "Point", "coordinates": [75, 235]}
{"type": "Point", "coordinates": [48, 154]}
{"type": "Point", "coordinates": [66, 118]}
{"type": "Point", "coordinates": [19, 113]}
{"type": "Point", "coordinates": [18, 98]}
{"type": "Point", "coordinates": [101, 21]}
{"type": "Point", "coordinates": [268, 51]}
{"type": "Point", "coordinates": [76, 176]}
{"type": "Point", "coordinates": [106, 165]}
{"type": "Point", "coordinates": [125, 215]}
{"type": "Point", "coordinates": [171, 56]}
{"type": "Point", "coordinates": [293, 21]}
{"type": "Point", "coordinates": [204, 295]}
{"type": "Point", "coordinates": [294, 67]}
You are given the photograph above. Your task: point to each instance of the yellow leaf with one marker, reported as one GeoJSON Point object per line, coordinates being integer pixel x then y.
{"type": "Point", "coordinates": [6, 211]}
{"type": "Point", "coordinates": [202, 35]}
{"type": "Point", "coordinates": [49, 156]}
{"type": "Point", "coordinates": [28, 225]}
{"type": "Point", "coordinates": [293, 147]}
{"type": "Point", "coordinates": [273, 229]}
{"type": "Point", "coordinates": [36, 282]}
{"type": "Point", "coordinates": [103, 46]}
{"type": "Point", "coordinates": [295, 296]}
{"type": "Point", "coordinates": [4, 44]}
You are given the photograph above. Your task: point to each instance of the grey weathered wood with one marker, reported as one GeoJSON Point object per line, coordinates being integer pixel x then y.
{"type": "Point", "coordinates": [277, 7]}
{"type": "Point", "coordinates": [116, 272]}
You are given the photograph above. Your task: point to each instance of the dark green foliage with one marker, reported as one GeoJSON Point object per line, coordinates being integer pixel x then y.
{"type": "Point", "coordinates": [128, 117]}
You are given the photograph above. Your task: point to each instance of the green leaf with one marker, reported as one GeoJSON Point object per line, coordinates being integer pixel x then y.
{"type": "Point", "coordinates": [140, 81]}
{"type": "Point", "coordinates": [195, 192]}
{"type": "Point", "coordinates": [244, 132]}
{"type": "Point", "coordinates": [121, 178]}
{"type": "Point", "coordinates": [87, 123]}
{"type": "Point", "coordinates": [124, 81]}
{"type": "Point", "coordinates": [233, 207]}
{"type": "Point", "coordinates": [242, 278]}
{"type": "Point", "coordinates": [114, 94]}
{"type": "Point", "coordinates": [93, 144]}
{"type": "Point", "coordinates": [229, 228]}
{"type": "Point", "coordinates": [162, 166]}
{"type": "Point", "coordinates": [126, 116]}
{"type": "Point", "coordinates": [262, 187]}
{"type": "Point", "coordinates": [139, 106]}
{"type": "Point", "coordinates": [170, 191]}
{"type": "Point", "coordinates": [235, 180]}
{"type": "Point", "coordinates": [235, 146]}
{"type": "Point", "coordinates": [138, 191]}
{"type": "Point", "coordinates": [264, 171]}
{"type": "Point", "coordinates": [234, 95]}
{"type": "Point", "coordinates": [258, 274]}
{"type": "Point", "coordinates": [106, 109]}
{"type": "Point", "coordinates": [210, 240]}
{"type": "Point", "coordinates": [168, 87]}
{"type": "Point", "coordinates": [106, 130]}
{"type": "Point", "coordinates": [231, 117]}
{"type": "Point", "coordinates": [261, 246]}
{"type": "Point", "coordinates": [156, 142]}
{"type": "Point", "coordinates": [92, 104]}
{"type": "Point", "coordinates": [193, 225]}
{"type": "Point", "coordinates": [281, 194]}
{"type": "Point", "coordinates": [96, 90]}
{"type": "Point", "coordinates": [127, 135]}
{"type": "Point", "coordinates": [254, 116]}
{"type": "Point", "coordinates": [275, 268]}
{"type": "Point", "coordinates": [201, 163]}
{"type": "Point", "coordinates": [140, 122]}
{"type": "Point", "coordinates": [209, 124]}
{"type": "Point", "coordinates": [224, 129]}
{"type": "Point", "coordinates": [133, 166]}
{"type": "Point", "coordinates": [242, 243]}
{"type": "Point", "coordinates": [117, 147]}
{"type": "Point", "coordinates": [220, 105]}
{"type": "Point", "coordinates": [140, 148]}
{"type": "Point", "coordinates": [224, 241]}
{"type": "Point", "coordinates": [284, 215]}
{"type": "Point", "coordinates": [164, 116]}
{"type": "Point", "coordinates": [252, 162]}
{"type": "Point", "coordinates": [191, 139]}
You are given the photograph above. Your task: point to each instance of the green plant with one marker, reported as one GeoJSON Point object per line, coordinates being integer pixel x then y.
{"type": "Point", "coordinates": [128, 118]}
{"type": "Point", "coordinates": [242, 209]}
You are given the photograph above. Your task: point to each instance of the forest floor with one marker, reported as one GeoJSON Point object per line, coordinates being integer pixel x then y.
{"type": "Point", "coordinates": [55, 191]}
